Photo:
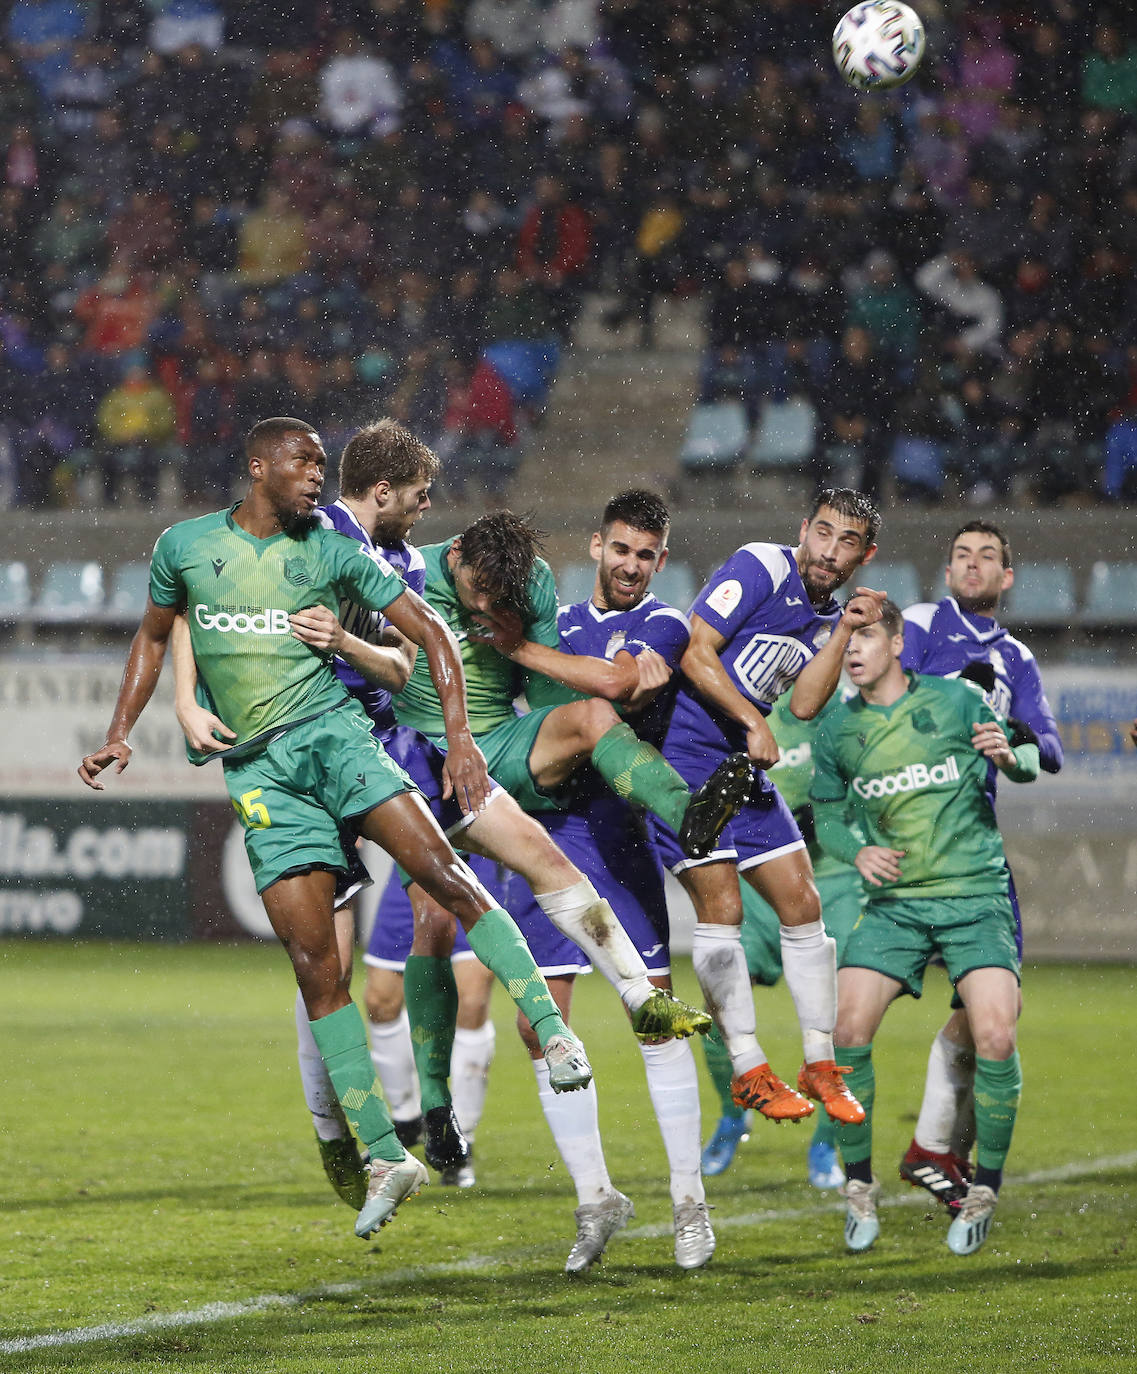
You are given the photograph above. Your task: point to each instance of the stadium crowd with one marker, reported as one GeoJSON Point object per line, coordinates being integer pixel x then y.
{"type": "Point", "coordinates": [212, 212]}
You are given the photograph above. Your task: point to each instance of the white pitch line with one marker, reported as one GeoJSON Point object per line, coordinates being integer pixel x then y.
{"type": "Point", "coordinates": [214, 1312]}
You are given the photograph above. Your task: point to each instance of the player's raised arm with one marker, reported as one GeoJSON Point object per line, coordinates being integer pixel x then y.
{"type": "Point", "coordinates": [703, 668]}
{"type": "Point", "coordinates": [139, 678]}
{"type": "Point", "coordinates": [818, 680]}
{"type": "Point", "coordinates": [616, 679]}
{"type": "Point", "coordinates": [465, 766]}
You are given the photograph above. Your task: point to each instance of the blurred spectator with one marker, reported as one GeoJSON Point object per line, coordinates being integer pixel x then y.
{"type": "Point", "coordinates": [884, 305]}
{"type": "Point", "coordinates": [117, 311]}
{"type": "Point", "coordinates": [856, 414]}
{"type": "Point", "coordinates": [478, 444]}
{"type": "Point", "coordinates": [182, 23]}
{"type": "Point", "coordinates": [553, 251]}
{"type": "Point", "coordinates": [136, 435]}
{"type": "Point", "coordinates": [658, 261]}
{"type": "Point", "coordinates": [511, 26]}
{"type": "Point", "coordinates": [1109, 72]}
{"type": "Point", "coordinates": [272, 242]}
{"type": "Point", "coordinates": [210, 437]}
{"type": "Point", "coordinates": [359, 92]}
{"type": "Point", "coordinates": [972, 308]}
{"type": "Point", "coordinates": [1119, 474]}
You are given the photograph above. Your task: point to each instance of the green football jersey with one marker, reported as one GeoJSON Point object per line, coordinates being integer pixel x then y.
{"type": "Point", "coordinates": [492, 680]}
{"type": "Point", "coordinates": [793, 773]}
{"type": "Point", "coordinates": [238, 592]}
{"type": "Point", "coordinates": [915, 782]}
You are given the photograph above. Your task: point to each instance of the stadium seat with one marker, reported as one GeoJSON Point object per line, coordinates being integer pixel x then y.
{"type": "Point", "coordinates": [716, 436]}
{"type": "Point", "coordinates": [900, 580]}
{"type": "Point", "coordinates": [130, 586]}
{"type": "Point", "coordinates": [676, 584]}
{"type": "Point", "coordinates": [1112, 596]}
{"type": "Point", "coordinates": [785, 435]}
{"type": "Point", "coordinates": [70, 591]}
{"type": "Point", "coordinates": [1041, 594]}
{"type": "Point", "coordinates": [14, 592]}
{"type": "Point", "coordinates": [575, 581]}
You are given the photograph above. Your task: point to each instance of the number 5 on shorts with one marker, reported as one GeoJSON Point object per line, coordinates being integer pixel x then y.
{"type": "Point", "coordinates": [254, 814]}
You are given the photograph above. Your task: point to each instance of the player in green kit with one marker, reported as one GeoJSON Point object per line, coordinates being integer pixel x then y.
{"type": "Point", "coordinates": [840, 888]}
{"type": "Point", "coordinates": [909, 755]}
{"type": "Point", "coordinates": [303, 759]}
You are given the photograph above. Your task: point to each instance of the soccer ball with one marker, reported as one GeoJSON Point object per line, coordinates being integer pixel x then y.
{"type": "Point", "coordinates": [878, 45]}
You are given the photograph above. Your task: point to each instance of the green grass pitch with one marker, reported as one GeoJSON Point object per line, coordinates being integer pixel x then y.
{"type": "Point", "coordinates": [159, 1180]}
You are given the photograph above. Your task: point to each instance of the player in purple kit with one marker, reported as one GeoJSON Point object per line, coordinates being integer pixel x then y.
{"type": "Point", "coordinates": [959, 637]}
{"type": "Point", "coordinates": [766, 622]}
{"type": "Point", "coordinates": [625, 645]}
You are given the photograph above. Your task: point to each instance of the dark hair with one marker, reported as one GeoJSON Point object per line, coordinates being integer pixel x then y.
{"type": "Point", "coordinates": [853, 505]}
{"type": "Point", "coordinates": [267, 432]}
{"type": "Point", "coordinates": [891, 617]}
{"type": "Point", "coordinates": [500, 549]}
{"type": "Point", "coordinates": [384, 452]}
{"type": "Point", "coordinates": [639, 508]}
{"type": "Point", "coordinates": [984, 527]}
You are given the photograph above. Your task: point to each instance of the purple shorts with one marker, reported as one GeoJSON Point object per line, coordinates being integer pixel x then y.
{"type": "Point", "coordinates": [393, 929]}
{"type": "Point", "coordinates": [424, 762]}
{"type": "Point", "coordinates": [761, 831]}
{"type": "Point", "coordinates": [607, 843]}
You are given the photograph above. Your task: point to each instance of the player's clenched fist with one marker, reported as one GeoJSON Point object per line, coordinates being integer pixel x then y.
{"type": "Point", "coordinates": [863, 608]}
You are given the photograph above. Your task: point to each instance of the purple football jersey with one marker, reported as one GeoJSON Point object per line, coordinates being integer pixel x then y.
{"type": "Point", "coordinates": [758, 602]}
{"type": "Point", "coordinates": [942, 640]}
{"type": "Point", "coordinates": [366, 624]}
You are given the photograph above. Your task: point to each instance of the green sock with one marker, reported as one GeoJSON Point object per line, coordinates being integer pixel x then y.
{"type": "Point", "coordinates": [855, 1142]}
{"type": "Point", "coordinates": [721, 1071]}
{"type": "Point", "coordinates": [431, 995]}
{"type": "Point", "coordinates": [342, 1043]}
{"type": "Point", "coordinates": [640, 774]}
{"type": "Point", "coordinates": [998, 1090]}
{"type": "Point", "coordinates": [498, 943]}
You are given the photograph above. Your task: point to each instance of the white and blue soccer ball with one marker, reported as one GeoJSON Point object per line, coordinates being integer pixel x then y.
{"type": "Point", "coordinates": [878, 44]}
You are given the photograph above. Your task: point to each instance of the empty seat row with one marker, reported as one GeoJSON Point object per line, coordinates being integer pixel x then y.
{"type": "Point", "coordinates": [71, 591]}
{"type": "Point", "coordinates": [1043, 593]}
{"type": "Point", "coordinates": [719, 435]}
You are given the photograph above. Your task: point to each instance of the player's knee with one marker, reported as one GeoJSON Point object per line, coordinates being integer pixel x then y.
{"type": "Point", "coordinates": [995, 1041]}
{"type": "Point", "coordinates": [596, 718]}
{"type": "Point", "coordinates": [383, 997]}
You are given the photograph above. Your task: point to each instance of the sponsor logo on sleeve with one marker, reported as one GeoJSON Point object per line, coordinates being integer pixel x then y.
{"type": "Point", "coordinates": [725, 598]}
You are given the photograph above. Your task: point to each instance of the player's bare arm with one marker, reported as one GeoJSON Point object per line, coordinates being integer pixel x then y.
{"type": "Point", "coordinates": [139, 678]}
{"type": "Point", "coordinates": [465, 774]}
{"type": "Point", "coordinates": [818, 680]}
{"type": "Point", "coordinates": [617, 680]}
{"type": "Point", "coordinates": [703, 668]}
{"type": "Point", "coordinates": [387, 663]}
{"type": "Point", "coordinates": [199, 725]}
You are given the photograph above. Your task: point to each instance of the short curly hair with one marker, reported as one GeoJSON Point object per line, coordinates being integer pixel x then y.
{"type": "Point", "coordinates": [500, 550]}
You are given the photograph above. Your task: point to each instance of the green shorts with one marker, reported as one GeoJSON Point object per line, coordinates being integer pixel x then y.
{"type": "Point", "coordinates": [899, 937]}
{"type": "Point", "coordinates": [842, 895]}
{"type": "Point", "coordinates": [507, 748]}
{"type": "Point", "coordinates": [292, 795]}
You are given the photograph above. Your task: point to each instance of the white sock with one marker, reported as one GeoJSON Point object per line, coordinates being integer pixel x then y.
{"type": "Point", "coordinates": [809, 963]}
{"type": "Point", "coordinates": [470, 1062]}
{"type": "Point", "coordinates": [947, 1085]}
{"type": "Point", "coordinates": [673, 1082]}
{"type": "Point", "coordinates": [327, 1114]}
{"type": "Point", "coordinates": [720, 967]}
{"type": "Point", "coordinates": [574, 1122]}
{"type": "Point", "coordinates": [394, 1060]}
{"type": "Point", "coordinates": [586, 918]}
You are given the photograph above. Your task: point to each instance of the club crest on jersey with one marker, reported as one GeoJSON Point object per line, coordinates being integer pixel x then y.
{"type": "Point", "coordinates": [924, 722]}
{"type": "Point", "coordinates": [913, 778]}
{"type": "Point", "coordinates": [296, 572]}
{"type": "Point", "coordinates": [615, 643]}
{"type": "Point", "coordinates": [822, 636]}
